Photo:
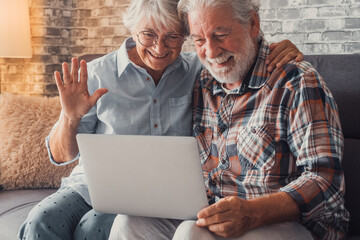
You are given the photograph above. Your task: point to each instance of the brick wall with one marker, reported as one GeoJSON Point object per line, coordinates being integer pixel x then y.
{"type": "Point", "coordinates": [50, 24]}
{"type": "Point", "coordinates": [64, 28]}
{"type": "Point", "coordinates": [61, 29]}
{"type": "Point", "coordinates": [315, 26]}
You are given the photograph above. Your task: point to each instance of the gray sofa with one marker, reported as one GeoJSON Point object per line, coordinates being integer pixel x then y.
{"type": "Point", "coordinates": [342, 74]}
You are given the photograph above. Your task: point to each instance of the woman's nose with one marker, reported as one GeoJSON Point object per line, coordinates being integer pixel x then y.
{"type": "Point", "coordinates": [159, 46]}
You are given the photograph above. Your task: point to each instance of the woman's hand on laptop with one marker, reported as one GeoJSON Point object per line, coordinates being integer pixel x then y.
{"type": "Point", "coordinates": [74, 95]}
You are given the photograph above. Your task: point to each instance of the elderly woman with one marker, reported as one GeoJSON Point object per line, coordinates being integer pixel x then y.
{"type": "Point", "coordinates": [148, 85]}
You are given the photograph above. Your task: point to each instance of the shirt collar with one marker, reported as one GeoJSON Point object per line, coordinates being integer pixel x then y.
{"type": "Point", "coordinates": [174, 65]}
{"type": "Point", "coordinates": [123, 59]}
{"type": "Point", "coordinates": [259, 74]}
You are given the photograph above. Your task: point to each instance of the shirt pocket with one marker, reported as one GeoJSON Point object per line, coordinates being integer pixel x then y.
{"type": "Point", "coordinates": [180, 110]}
{"type": "Point", "coordinates": [256, 146]}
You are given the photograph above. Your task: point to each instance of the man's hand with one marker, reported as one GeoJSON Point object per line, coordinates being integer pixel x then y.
{"type": "Point", "coordinates": [233, 216]}
{"type": "Point", "coordinates": [282, 53]}
{"type": "Point", "coordinates": [229, 217]}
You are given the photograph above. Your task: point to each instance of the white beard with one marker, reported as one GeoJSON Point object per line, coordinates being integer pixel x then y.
{"type": "Point", "coordinates": [237, 71]}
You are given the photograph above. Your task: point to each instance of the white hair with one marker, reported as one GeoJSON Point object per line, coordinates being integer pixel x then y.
{"type": "Point", "coordinates": [163, 13]}
{"type": "Point", "coordinates": [241, 8]}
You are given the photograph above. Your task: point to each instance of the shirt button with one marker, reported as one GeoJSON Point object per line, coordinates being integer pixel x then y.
{"type": "Point", "coordinates": [208, 132]}
{"type": "Point", "coordinates": [223, 161]}
{"type": "Point", "coordinates": [253, 130]}
{"type": "Point", "coordinates": [147, 79]}
{"type": "Point", "coordinates": [155, 125]}
{"type": "Point", "coordinates": [212, 183]}
{"type": "Point", "coordinates": [154, 101]}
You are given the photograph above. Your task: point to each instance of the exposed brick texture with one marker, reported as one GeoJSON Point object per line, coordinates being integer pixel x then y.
{"type": "Point", "coordinates": [61, 29]}
{"type": "Point", "coordinates": [315, 26]}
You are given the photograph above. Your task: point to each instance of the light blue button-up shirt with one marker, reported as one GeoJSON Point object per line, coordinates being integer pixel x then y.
{"type": "Point", "coordinates": [134, 104]}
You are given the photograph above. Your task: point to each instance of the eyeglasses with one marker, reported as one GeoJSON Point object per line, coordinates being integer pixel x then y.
{"type": "Point", "coordinates": [149, 38]}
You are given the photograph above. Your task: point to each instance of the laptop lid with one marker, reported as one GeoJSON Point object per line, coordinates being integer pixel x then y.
{"type": "Point", "coordinates": [152, 176]}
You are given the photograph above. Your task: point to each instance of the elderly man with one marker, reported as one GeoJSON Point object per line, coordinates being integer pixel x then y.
{"type": "Point", "coordinates": [271, 143]}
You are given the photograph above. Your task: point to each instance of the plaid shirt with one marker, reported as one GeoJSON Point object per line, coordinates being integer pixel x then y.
{"type": "Point", "coordinates": [279, 132]}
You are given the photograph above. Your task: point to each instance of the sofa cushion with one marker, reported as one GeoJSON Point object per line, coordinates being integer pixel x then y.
{"type": "Point", "coordinates": [342, 75]}
{"type": "Point", "coordinates": [24, 123]}
{"type": "Point", "coordinates": [351, 164]}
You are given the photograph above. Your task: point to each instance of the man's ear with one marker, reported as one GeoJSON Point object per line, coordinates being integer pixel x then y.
{"type": "Point", "coordinates": [255, 24]}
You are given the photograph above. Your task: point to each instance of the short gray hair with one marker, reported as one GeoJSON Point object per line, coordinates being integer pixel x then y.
{"type": "Point", "coordinates": [162, 12]}
{"type": "Point", "coordinates": [241, 8]}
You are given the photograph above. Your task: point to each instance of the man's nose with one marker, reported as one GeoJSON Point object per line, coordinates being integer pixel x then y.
{"type": "Point", "coordinates": [212, 49]}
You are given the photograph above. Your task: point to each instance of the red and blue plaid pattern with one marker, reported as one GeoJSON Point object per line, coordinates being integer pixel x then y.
{"type": "Point", "coordinates": [282, 134]}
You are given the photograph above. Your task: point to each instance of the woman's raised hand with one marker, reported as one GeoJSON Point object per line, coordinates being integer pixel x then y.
{"type": "Point", "coordinates": [74, 95]}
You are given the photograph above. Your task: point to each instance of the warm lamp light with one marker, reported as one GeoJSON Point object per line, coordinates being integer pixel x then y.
{"type": "Point", "coordinates": [15, 41]}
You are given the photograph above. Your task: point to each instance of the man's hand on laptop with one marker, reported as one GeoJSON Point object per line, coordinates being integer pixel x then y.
{"type": "Point", "coordinates": [233, 216]}
{"type": "Point", "coordinates": [229, 217]}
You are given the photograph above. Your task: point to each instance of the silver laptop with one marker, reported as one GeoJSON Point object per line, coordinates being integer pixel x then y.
{"type": "Point", "coordinates": [151, 176]}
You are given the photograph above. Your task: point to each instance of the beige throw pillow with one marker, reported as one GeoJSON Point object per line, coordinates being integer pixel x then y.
{"type": "Point", "coordinates": [25, 121]}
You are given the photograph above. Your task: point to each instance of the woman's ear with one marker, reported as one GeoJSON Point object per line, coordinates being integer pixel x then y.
{"type": "Point", "coordinates": [133, 35]}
